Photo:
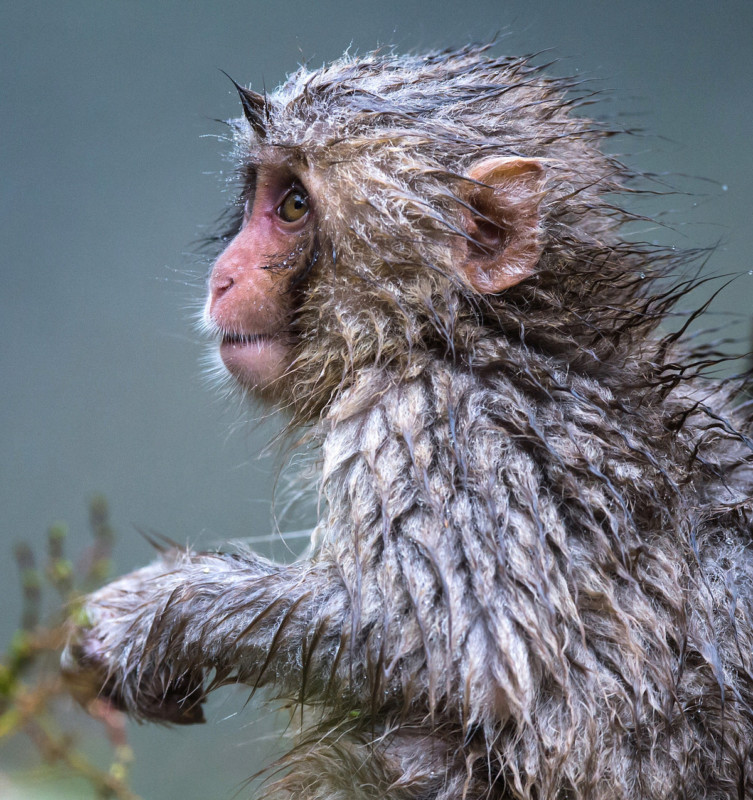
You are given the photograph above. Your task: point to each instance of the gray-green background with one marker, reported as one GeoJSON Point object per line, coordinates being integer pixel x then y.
{"type": "Point", "coordinates": [108, 179]}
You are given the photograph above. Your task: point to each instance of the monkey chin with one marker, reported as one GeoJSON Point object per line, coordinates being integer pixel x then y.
{"type": "Point", "coordinates": [256, 362]}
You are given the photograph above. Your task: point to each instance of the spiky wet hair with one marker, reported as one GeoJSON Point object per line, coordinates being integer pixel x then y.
{"type": "Point", "coordinates": [646, 466]}
{"type": "Point", "coordinates": [532, 574]}
{"type": "Point", "coordinates": [389, 141]}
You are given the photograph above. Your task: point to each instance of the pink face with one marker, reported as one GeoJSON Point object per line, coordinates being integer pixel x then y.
{"type": "Point", "coordinates": [250, 302]}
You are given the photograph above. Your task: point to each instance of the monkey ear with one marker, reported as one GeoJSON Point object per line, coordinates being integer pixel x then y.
{"type": "Point", "coordinates": [504, 243]}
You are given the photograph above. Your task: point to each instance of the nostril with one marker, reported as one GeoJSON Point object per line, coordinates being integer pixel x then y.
{"type": "Point", "coordinates": [221, 283]}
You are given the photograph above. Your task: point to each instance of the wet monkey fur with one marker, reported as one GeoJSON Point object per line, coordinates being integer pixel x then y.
{"type": "Point", "coordinates": [532, 575]}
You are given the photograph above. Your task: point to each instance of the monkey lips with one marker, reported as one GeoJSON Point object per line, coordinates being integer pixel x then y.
{"type": "Point", "coordinates": [255, 360]}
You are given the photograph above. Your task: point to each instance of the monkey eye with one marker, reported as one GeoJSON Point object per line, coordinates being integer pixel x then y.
{"type": "Point", "coordinates": [295, 206]}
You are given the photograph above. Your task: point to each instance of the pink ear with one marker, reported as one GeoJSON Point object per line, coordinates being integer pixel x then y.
{"type": "Point", "coordinates": [506, 245]}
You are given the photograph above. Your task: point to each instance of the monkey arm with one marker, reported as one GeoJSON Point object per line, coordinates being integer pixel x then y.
{"type": "Point", "coordinates": [156, 641]}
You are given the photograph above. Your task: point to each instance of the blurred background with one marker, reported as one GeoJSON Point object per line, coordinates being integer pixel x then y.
{"type": "Point", "coordinates": [112, 171]}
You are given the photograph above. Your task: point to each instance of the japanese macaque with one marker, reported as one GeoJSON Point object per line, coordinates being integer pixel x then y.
{"type": "Point", "coordinates": [532, 575]}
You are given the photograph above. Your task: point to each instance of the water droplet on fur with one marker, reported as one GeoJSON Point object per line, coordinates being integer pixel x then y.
{"type": "Point", "coordinates": [643, 274]}
{"type": "Point", "coordinates": [750, 272]}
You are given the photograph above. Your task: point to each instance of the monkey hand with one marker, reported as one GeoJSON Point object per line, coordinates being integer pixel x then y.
{"type": "Point", "coordinates": [118, 652]}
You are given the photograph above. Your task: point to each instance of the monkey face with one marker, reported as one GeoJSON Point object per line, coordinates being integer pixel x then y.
{"type": "Point", "coordinates": [374, 229]}
{"type": "Point", "coordinates": [250, 300]}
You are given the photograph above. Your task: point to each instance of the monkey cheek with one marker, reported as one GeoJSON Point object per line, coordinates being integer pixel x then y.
{"type": "Point", "coordinates": [256, 364]}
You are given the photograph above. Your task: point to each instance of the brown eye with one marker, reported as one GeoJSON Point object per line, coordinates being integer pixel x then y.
{"type": "Point", "coordinates": [295, 206]}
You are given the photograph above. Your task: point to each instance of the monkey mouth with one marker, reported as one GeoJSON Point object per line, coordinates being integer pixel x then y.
{"type": "Point", "coordinates": [255, 360]}
{"type": "Point", "coordinates": [240, 339]}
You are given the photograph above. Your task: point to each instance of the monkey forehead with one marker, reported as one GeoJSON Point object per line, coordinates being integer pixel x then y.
{"type": "Point", "coordinates": [272, 156]}
{"type": "Point", "coordinates": [437, 111]}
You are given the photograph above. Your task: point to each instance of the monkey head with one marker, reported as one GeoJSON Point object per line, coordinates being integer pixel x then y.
{"type": "Point", "coordinates": [394, 206]}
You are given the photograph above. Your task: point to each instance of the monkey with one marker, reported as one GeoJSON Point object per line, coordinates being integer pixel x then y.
{"type": "Point", "coordinates": [532, 573]}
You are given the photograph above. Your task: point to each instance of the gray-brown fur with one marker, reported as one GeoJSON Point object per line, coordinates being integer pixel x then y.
{"type": "Point", "coordinates": [532, 577]}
